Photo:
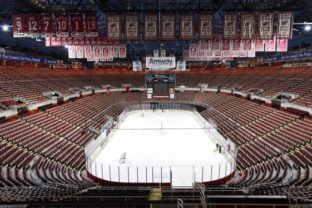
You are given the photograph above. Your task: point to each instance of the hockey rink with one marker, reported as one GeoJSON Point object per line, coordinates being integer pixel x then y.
{"type": "Point", "coordinates": [153, 147]}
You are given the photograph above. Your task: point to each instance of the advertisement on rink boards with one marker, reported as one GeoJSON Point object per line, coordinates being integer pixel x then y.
{"type": "Point", "coordinates": [159, 63]}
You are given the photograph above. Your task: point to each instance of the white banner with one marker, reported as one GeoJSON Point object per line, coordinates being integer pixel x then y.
{"type": "Point", "coordinates": [285, 22]}
{"type": "Point", "coordinates": [160, 62]}
{"type": "Point", "coordinates": [193, 51]}
{"type": "Point", "coordinates": [88, 52]}
{"type": "Point", "coordinates": [136, 66]}
{"type": "Point", "coordinates": [229, 25]}
{"type": "Point", "coordinates": [113, 27]}
{"type": "Point", "coordinates": [155, 53]}
{"type": "Point", "coordinates": [132, 27]}
{"type": "Point", "coordinates": [79, 52]}
{"type": "Point", "coordinates": [266, 26]}
{"type": "Point", "coordinates": [216, 43]}
{"type": "Point", "coordinates": [114, 51]}
{"type": "Point", "coordinates": [167, 27]}
{"type": "Point", "coordinates": [248, 22]}
{"type": "Point", "coordinates": [181, 65]}
{"type": "Point", "coordinates": [97, 50]}
{"type": "Point", "coordinates": [282, 45]}
{"type": "Point", "coordinates": [163, 53]}
{"type": "Point", "coordinates": [270, 45]}
{"type": "Point", "coordinates": [71, 52]}
{"type": "Point", "coordinates": [205, 26]}
{"type": "Point", "coordinates": [186, 27]}
{"type": "Point", "coordinates": [122, 51]}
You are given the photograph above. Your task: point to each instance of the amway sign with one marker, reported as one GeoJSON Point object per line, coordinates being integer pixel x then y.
{"type": "Point", "coordinates": [160, 62]}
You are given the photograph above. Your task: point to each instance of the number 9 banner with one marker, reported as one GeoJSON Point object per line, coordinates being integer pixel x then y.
{"type": "Point", "coordinates": [62, 29]}
{"type": "Point", "coordinates": [18, 22]}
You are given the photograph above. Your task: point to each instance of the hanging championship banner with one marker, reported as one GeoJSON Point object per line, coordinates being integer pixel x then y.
{"type": "Point", "coordinates": [46, 25]}
{"type": "Point", "coordinates": [185, 55]}
{"type": "Point", "coordinates": [205, 26]}
{"type": "Point", "coordinates": [229, 25]}
{"type": "Point", "coordinates": [76, 25]}
{"type": "Point", "coordinates": [114, 51]}
{"type": "Point", "coordinates": [79, 52]}
{"type": "Point", "coordinates": [62, 25]}
{"type": "Point", "coordinates": [132, 27]}
{"type": "Point", "coordinates": [248, 22]}
{"type": "Point", "coordinates": [270, 45]}
{"type": "Point", "coordinates": [226, 45]}
{"type": "Point", "coordinates": [285, 24]}
{"type": "Point", "coordinates": [236, 44]}
{"type": "Point", "coordinates": [259, 45]}
{"type": "Point", "coordinates": [193, 51]}
{"type": "Point", "coordinates": [97, 50]}
{"type": "Point", "coordinates": [266, 26]}
{"type": "Point", "coordinates": [167, 27]}
{"type": "Point", "coordinates": [216, 43]}
{"type": "Point", "coordinates": [246, 44]}
{"type": "Point", "coordinates": [18, 22]}
{"type": "Point", "coordinates": [113, 27]}
{"type": "Point", "coordinates": [47, 41]}
{"type": "Point", "coordinates": [150, 27]}
{"type": "Point", "coordinates": [186, 27]}
{"type": "Point", "coordinates": [122, 51]}
{"type": "Point", "coordinates": [88, 52]}
{"type": "Point", "coordinates": [32, 26]}
{"type": "Point", "coordinates": [71, 52]}
{"type": "Point", "coordinates": [105, 52]}
{"type": "Point", "coordinates": [91, 25]}
{"type": "Point", "coordinates": [282, 44]}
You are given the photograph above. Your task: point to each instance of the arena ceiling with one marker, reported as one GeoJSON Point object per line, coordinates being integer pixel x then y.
{"type": "Point", "coordinates": [136, 49]}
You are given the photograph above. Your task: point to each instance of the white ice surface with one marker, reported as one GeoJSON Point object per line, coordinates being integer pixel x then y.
{"type": "Point", "coordinates": [155, 143]}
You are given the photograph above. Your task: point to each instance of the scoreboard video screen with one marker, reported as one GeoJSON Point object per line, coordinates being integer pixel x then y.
{"type": "Point", "coordinates": [160, 84]}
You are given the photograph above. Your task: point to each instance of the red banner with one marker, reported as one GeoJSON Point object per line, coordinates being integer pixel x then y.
{"type": "Point", "coordinates": [282, 44]}
{"type": "Point", "coordinates": [132, 27]}
{"type": "Point", "coordinates": [32, 26]}
{"type": "Point", "coordinates": [150, 27]}
{"type": "Point", "coordinates": [77, 25]}
{"type": "Point", "coordinates": [205, 26]}
{"type": "Point", "coordinates": [167, 27]}
{"type": "Point", "coordinates": [186, 27]}
{"type": "Point", "coordinates": [229, 25]}
{"type": "Point", "coordinates": [46, 25]}
{"type": "Point", "coordinates": [62, 25]}
{"type": "Point", "coordinates": [248, 22]}
{"type": "Point", "coordinates": [91, 25]}
{"type": "Point", "coordinates": [266, 26]}
{"type": "Point", "coordinates": [18, 22]}
{"type": "Point", "coordinates": [113, 27]}
{"type": "Point", "coordinates": [285, 24]}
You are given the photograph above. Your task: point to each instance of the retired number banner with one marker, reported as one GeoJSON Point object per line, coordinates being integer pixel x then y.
{"type": "Point", "coordinates": [77, 25]}
{"type": "Point", "coordinates": [18, 22]}
{"type": "Point", "coordinates": [91, 25]}
{"type": "Point", "coordinates": [46, 25]}
{"type": "Point", "coordinates": [266, 26]}
{"type": "Point", "coordinates": [285, 22]}
{"type": "Point", "coordinates": [167, 27]}
{"type": "Point", "coordinates": [248, 22]}
{"type": "Point", "coordinates": [62, 25]}
{"type": "Point", "coordinates": [186, 27]}
{"type": "Point", "coordinates": [32, 26]}
{"type": "Point", "coordinates": [229, 25]}
{"type": "Point", "coordinates": [205, 26]}
{"type": "Point", "coordinates": [150, 27]}
{"type": "Point", "coordinates": [132, 27]}
{"type": "Point", "coordinates": [113, 27]}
